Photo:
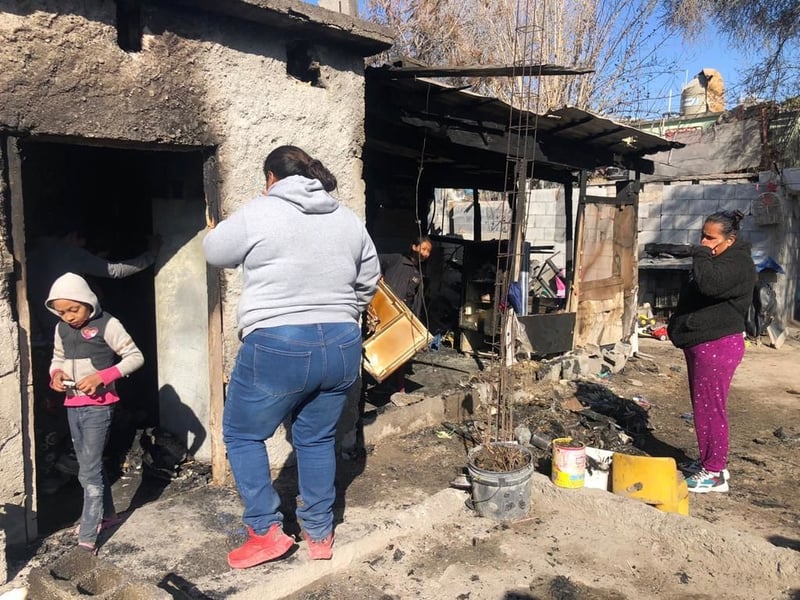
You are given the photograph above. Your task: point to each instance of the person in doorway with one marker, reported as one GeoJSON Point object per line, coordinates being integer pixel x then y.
{"type": "Point", "coordinates": [51, 256]}
{"type": "Point", "coordinates": [65, 252]}
{"type": "Point", "coordinates": [91, 351]}
{"type": "Point", "coordinates": [708, 324]}
{"type": "Point", "coordinates": [404, 274]}
{"type": "Point", "coordinates": [310, 269]}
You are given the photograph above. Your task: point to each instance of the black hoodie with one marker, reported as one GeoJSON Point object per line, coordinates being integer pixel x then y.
{"type": "Point", "coordinates": [715, 300]}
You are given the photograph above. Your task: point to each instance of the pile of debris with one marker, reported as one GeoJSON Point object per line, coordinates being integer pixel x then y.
{"type": "Point", "coordinates": [583, 410]}
{"type": "Point", "coordinates": [160, 455]}
{"type": "Point", "coordinates": [589, 361]}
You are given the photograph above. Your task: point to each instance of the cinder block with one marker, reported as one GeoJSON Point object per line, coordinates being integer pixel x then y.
{"type": "Point", "coordinates": [676, 205]}
{"type": "Point", "coordinates": [678, 236]}
{"type": "Point", "coordinates": [650, 224]}
{"type": "Point", "coordinates": [649, 209]}
{"type": "Point", "coordinates": [537, 208]}
{"type": "Point", "coordinates": [719, 191]}
{"type": "Point", "coordinates": [545, 222]}
{"type": "Point", "coordinates": [648, 237]}
{"type": "Point", "coordinates": [742, 204]}
{"type": "Point", "coordinates": [765, 176]}
{"type": "Point", "coordinates": [701, 208]}
{"type": "Point", "coordinates": [682, 192]}
{"type": "Point", "coordinates": [690, 222]}
{"type": "Point", "coordinates": [652, 190]}
{"type": "Point", "coordinates": [747, 190]}
{"type": "Point", "coordinates": [549, 371]}
{"type": "Point", "coordinates": [615, 361]}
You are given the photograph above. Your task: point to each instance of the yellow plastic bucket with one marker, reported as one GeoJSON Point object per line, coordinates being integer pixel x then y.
{"type": "Point", "coordinates": [569, 463]}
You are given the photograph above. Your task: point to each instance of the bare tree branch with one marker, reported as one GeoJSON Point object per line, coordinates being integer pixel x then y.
{"type": "Point", "coordinates": [616, 39]}
{"type": "Point", "coordinates": [769, 30]}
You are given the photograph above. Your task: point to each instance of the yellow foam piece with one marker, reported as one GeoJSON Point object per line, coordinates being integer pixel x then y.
{"type": "Point", "coordinates": [654, 480]}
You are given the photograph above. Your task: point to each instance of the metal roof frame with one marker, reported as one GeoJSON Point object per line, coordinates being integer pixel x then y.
{"type": "Point", "coordinates": [464, 139]}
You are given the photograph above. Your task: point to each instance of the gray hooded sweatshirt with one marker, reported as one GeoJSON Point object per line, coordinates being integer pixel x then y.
{"type": "Point", "coordinates": [305, 258]}
{"type": "Point", "coordinates": [94, 347]}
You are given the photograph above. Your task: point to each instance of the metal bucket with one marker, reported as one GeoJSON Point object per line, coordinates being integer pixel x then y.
{"type": "Point", "coordinates": [569, 463]}
{"type": "Point", "coordinates": [501, 495]}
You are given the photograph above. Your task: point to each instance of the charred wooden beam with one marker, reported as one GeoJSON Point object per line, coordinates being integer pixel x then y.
{"type": "Point", "coordinates": [391, 72]}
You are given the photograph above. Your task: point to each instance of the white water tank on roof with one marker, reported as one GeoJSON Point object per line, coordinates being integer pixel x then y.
{"type": "Point", "coordinates": [693, 98]}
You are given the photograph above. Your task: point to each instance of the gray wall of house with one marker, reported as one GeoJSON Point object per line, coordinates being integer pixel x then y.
{"type": "Point", "coordinates": [197, 81]}
{"type": "Point", "coordinates": [675, 214]}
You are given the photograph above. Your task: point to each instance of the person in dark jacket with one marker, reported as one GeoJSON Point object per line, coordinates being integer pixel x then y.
{"type": "Point", "coordinates": [403, 273]}
{"type": "Point", "coordinates": [708, 325]}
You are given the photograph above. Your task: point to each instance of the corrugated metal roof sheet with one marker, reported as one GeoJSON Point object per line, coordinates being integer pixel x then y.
{"type": "Point", "coordinates": [400, 112]}
{"type": "Point", "coordinates": [585, 127]}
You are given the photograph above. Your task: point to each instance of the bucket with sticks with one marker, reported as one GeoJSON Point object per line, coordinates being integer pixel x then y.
{"type": "Point", "coordinates": [500, 473]}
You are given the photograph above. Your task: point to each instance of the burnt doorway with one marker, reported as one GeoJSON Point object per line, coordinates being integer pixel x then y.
{"type": "Point", "coordinates": [113, 199]}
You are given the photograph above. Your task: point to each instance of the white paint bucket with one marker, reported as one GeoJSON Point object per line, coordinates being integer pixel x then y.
{"type": "Point", "coordinates": [598, 468]}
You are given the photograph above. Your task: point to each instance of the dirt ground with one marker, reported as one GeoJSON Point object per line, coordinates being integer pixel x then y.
{"type": "Point", "coordinates": [579, 555]}
{"type": "Point", "coordinates": [404, 533]}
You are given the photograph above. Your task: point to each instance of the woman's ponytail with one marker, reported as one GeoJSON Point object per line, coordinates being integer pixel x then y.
{"type": "Point", "coordinates": [285, 161]}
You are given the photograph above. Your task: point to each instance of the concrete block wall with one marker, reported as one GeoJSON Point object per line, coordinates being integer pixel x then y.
{"type": "Point", "coordinates": [495, 219]}
{"type": "Point", "coordinates": [675, 214]}
{"type": "Point", "coordinates": [547, 221]}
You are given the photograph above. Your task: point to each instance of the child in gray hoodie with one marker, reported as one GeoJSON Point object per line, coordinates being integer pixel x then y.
{"type": "Point", "coordinates": [91, 351]}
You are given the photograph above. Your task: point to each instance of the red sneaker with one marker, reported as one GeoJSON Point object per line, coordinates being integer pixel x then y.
{"type": "Point", "coordinates": [260, 548]}
{"type": "Point", "coordinates": [319, 549]}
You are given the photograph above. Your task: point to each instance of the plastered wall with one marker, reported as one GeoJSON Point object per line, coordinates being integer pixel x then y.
{"type": "Point", "coordinates": [199, 80]}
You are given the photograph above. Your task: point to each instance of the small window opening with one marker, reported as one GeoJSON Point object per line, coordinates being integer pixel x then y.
{"type": "Point", "coordinates": [129, 25]}
{"type": "Point", "coordinates": [301, 64]}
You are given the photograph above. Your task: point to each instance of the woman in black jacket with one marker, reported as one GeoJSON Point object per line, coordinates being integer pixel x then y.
{"type": "Point", "coordinates": [708, 324]}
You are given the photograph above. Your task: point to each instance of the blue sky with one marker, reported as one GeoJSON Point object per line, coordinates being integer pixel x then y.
{"type": "Point", "coordinates": [708, 50]}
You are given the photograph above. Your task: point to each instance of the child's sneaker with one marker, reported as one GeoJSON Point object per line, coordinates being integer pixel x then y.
{"type": "Point", "coordinates": [106, 523]}
{"type": "Point", "coordinates": [88, 547]}
{"type": "Point", "coordinates": [707, 481]}
{"type": "Point", "coordinates": [691, 467]}
{"type": "Point", "coordinates": [319, 549]}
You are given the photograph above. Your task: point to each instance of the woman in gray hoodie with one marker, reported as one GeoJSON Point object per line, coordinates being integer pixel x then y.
{"type": "Point", "coordinates": [91, 351]}
{"type": "Point", "coordinates": [309, 269]}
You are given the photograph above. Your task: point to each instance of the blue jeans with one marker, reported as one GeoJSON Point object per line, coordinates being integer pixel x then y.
{"type": "Point", "coordinates": [302, 371]}
{"type": "Point", "coordinates": [89, 426]}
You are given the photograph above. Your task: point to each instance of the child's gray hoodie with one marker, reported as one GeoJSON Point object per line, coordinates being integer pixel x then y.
{"type": "Point", "coordinates": [94, 347]}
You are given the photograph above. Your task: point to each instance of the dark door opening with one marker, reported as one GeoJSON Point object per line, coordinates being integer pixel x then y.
{"type": "Point", "coordinates": [106, 196]}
